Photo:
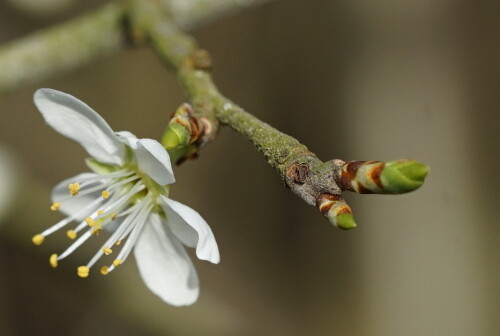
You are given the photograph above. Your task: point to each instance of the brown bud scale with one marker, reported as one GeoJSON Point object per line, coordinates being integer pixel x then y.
{"type": "Point", "coordinates": [344, 209]}
{"type": "Point", "coordinates": [375, 174]}
{"type": "Point", "coordinates": [348, 174]}
{"type": "Point", "coordinates": [360, 189]}
{"type": "Point", "coordinates": [326, 201]}
{"type": "Point", "coordinates": [196, 128]}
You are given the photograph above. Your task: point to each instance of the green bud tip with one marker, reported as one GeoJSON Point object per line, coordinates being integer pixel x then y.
{"type": "Point", "coordinates": [345, 221]}
{"type": "Point", "coordinates": [175, 136]}
{"type": "Point", "coordinates": [403, 176]}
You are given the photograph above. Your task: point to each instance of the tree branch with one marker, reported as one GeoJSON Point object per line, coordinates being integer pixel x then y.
{"type": "Point", "coordinates": [316, 182]}
{"type": "Point", "coordinates": [78, 42]}
{"type": "Point", "coordinates": [192, 13]}
{"type": "Point", "coordinates": [61, 48]}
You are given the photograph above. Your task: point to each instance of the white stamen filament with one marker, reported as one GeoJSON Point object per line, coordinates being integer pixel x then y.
{"type": "Point", "coordinates": [88, 208]}
{"type": "Point", "coordinates": [103, 185]}
{"type": "Point", "coordinates": [122, 182]}
{"type": "Point", "coordinates": [114, 203]}
{"type": "Point", "coordinates": [81, 226]}
{"type": "Point", "coordinates": [75, 245]}
{"type": "Point", "coordinates": [108, 203]}
{"type": "Point", "coordinates": [121, 193]}
{"type": "Point", "coordinates": [93, 213]}
{"type": "Point", "coordinates": [126, 230]}
{"type": "Point", "coordinates": [99, 177]}
{"type": "Point", "coordinates": [140, 221]}
{"type": "Point", "coordinates": [129, 210]}
{"type": "Point", "coordinates": [114, 237]}
{"type": "Point", "coordinates": [123, 200]}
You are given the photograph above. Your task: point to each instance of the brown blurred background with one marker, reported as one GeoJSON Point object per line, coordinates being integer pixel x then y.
{"type": "Point", "coordinates": [351, 79]}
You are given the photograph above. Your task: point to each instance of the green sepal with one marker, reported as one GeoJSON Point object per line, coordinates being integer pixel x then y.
{"type": "Point", "coordinates": [175, 136]}
{"type": "Point", "coordinates": [346, 221]}
{"type": "Point", "coordinates": [182, 153]}
{"type": "Point", "coordinates": [100, 167]}
{"type": "Point", "coordinates": [403, 176]}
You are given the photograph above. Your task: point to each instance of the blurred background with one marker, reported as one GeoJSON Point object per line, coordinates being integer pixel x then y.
{"type": "Point", "coordinates": [351, 79]}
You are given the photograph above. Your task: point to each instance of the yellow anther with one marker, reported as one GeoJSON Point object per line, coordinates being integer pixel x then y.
{"type": "Point", "coordinates": [118, 242]}
{"type": "Point", "coordinates": [89, 221]}
{"type": "Point", "coordinates": [74, 188]}
{"type": "Point", "coordinates": [104, 270]}
{"type": "Point", "coordinates": [105, 194]}
{"type": "Point", "coordinates": [100, 212]}
{"type": "Point", "coordinates": [113, 216]}
{"type": "Point", "coordinates": [38, 239]}
{"type": "Point", "coordinates": [55, 206]}
{"type": "Point", "coordinates": [71, 234]}
{"type": "Point", "coordinates": [97, 225]}
{"type": "Point", "coordinates": [83, 271]}
{"type": "Point", "coordinates": [117, 262]}
{"type": "Point", "coordinates": [53, 260]}
{"type": "Point", "coordinates": [107, 250]}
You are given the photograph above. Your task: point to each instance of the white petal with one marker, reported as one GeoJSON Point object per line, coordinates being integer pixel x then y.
{"type": "Point", "coordinates": [191, 229]}
{"type": "Point", "coordinates": [76, 120]}
{"type": "Point", "coordinates": [127, 138]}
{"type": "Point", "coordinates": [154, 161]}
{"type": "Point", "coordinates": [152, 157]}
{"type": "Point", "coordinates": [164, 265]}
{"type": "Point", "coordinates": [72, 204]}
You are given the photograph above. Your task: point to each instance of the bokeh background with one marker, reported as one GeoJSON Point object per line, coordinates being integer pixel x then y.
{"type": "Point", "coordinates": [351, 79]}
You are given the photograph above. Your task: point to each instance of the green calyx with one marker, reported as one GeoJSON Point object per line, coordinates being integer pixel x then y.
{"type": "Point", "coordinates": [345, 221]}
{"type": "Point", "coordinates": [175, 136]}
{"type": "Point", "coordinates": [100, 167]}
{"type": "Point", "coordinates": [403, 176]}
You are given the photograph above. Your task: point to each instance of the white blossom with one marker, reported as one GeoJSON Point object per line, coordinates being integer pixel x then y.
{"type": "Point", "coordinates": [126, 194]}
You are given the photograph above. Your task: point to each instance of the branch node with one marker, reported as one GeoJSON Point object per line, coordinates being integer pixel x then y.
{"type": "Point", "coordinates": [298, 172]}
{"type": "Point", "coordinates": [200, 59]}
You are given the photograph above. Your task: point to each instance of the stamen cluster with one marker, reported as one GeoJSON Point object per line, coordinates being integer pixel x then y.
{"type": "Point", "coordinates": [124, 202]}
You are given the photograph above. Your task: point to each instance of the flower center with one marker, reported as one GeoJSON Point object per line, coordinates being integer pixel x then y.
{"type": "Point", "coordinates": [118, 199]}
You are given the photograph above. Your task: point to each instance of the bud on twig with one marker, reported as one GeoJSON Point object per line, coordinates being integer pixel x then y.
{"type": "Point", "coordinates": [183, 129]}
{"type": "Point", "coordinates": [337, 211]}
{"type": "Point", "coordinates": [175, 136]}
{"type": "Point", "coordinates": [393, 177]}
{"type": "Point", "coordinates": [403, 176]}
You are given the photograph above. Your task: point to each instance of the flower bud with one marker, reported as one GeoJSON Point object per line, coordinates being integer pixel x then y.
{"type": "Point", "coordinates": [346, 221]}
{"type": "Point", "coordinates": [403, 176]}
{"type": "Point", "coordinates": [183, 129]}
{"type": "Point", "coordinates": [376, 177]}
{"type": "Point", "coordinates": [337, 211]}
{"type": "Point", "coordinates": [175, 136]}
